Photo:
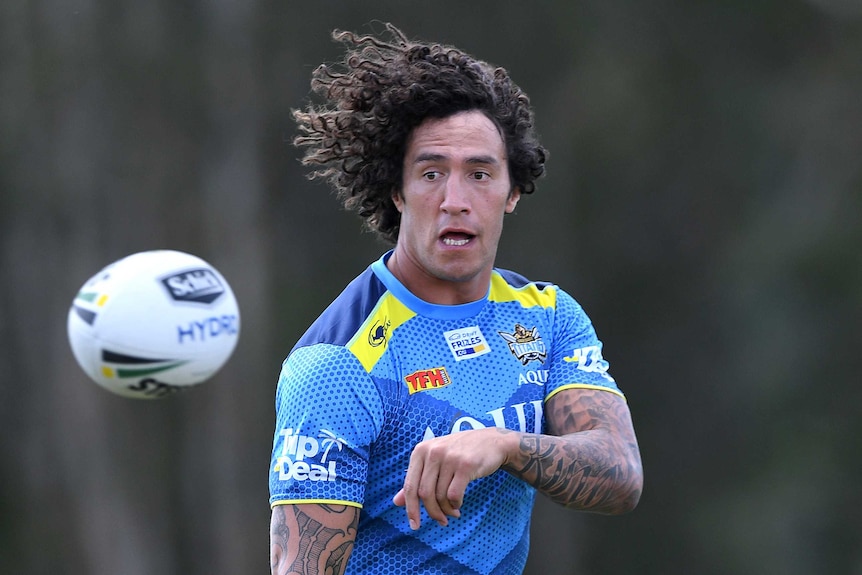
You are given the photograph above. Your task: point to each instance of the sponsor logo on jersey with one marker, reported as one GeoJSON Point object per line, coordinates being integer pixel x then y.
{"type": "Point", "coordinates": [525, 344]}
{"type": "Point", "coordinates": [379, 332]}
{"type": "Point", "coordinates": [589, 359]}
{"type": "Point", "coordinates": [426, 379]}
{"type": "Point", "coordinates": [466, 343]}
{"type": "Point", "coordinates": [296, 448]}
{"type": "Point", "coordinates": [534, 377]}
{"type": "Point", "coordinates": [523, 417]}
{"type": "Point", "coordinates": [198, 286]}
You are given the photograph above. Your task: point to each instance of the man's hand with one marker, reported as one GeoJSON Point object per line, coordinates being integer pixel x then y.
{"type": "Point", "coordinates": [441, 468]}
{"type": "Point", "coordinates": [590, 461]}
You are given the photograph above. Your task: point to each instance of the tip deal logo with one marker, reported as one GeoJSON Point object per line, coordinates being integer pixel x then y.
{"type": "Point", "coordinates": [296, 448]}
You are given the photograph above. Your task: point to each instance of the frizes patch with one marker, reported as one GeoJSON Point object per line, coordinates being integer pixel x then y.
{"type": "Point", "coordinates": [466, 343]}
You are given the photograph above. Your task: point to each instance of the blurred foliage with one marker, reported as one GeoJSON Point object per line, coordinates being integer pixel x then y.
{"type": "Point", "coordinates": [703, 202]}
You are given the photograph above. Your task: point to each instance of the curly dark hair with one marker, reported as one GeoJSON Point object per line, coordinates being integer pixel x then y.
{"type": "Point", "coordinates": [379, 94]}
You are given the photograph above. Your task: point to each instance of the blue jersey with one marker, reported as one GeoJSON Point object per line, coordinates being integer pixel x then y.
{"type": "Point", "coordinates": [381, 370]}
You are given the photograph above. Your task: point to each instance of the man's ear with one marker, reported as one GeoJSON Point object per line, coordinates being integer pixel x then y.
{"type": "Point", "coordinates": [398, 200]}
{"type": "Point", "coordinates": [514, 196]}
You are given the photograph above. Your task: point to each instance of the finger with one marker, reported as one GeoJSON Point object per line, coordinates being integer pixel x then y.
{"type": "Point", "coordinates": [428, 488]}
{"type": "Point", "coordinates": [411, 505]}
{"type": "Point", "coordinates": [447, 505]}
{"type": "Point", "coordinates": [399, 498]}
{"type": "Point", "coordinates": [410, 490]}
{"type": "Point", "coordinates": [456, 490]}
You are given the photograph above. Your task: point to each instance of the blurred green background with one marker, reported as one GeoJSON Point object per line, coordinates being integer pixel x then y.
{"type": "Point", "coordinates": [703, 202]}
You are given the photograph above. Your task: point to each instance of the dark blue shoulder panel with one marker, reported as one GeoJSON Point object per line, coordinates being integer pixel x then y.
{"type": "Point", "coordinates": [339, 322]}
{"type": "Point", "coordinates": [518, 281]}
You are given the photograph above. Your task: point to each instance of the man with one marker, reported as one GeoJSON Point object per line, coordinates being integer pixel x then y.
{"type": "Point", "coordinates": [419, 414]}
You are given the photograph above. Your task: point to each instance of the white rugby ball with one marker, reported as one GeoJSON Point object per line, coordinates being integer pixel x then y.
{"type": "Point", "coordinates": [153, 323]}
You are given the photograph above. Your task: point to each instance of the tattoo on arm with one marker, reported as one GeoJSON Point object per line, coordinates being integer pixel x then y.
{"type": "Point", "coordinates": [312, 539]}
{"type": "Point", "coordinates": [591, 460]}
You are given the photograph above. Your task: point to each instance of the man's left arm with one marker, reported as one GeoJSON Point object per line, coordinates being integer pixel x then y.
{"type": "Point", "coordinates": [590, 459]}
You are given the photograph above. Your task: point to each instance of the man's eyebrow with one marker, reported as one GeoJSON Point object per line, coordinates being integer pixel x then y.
{"type": "Point", "coordinates": [490, 160]}
{"type": "Point", "coordinates": [430, 157]}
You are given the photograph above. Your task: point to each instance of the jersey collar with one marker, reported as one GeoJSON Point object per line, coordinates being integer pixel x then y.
{"type": "Point", "coordinates": [420, 306]}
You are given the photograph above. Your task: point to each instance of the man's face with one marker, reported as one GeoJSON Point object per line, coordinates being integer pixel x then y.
{"type": "Point", "coordinates": [456, 190]}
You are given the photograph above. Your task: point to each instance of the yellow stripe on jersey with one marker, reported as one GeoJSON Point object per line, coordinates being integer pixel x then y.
{"type": "Point", "coordinates": [371, 339]}
{"type": "Point", "coordinates": [584, 386]}
{"type": "Point", "coordinates": [528, 296]}
{"type": "Point", "coordinates": [314, 501]}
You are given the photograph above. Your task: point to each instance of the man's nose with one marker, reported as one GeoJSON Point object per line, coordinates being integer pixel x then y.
{"type": "Point", "coordinates": [455, 196]}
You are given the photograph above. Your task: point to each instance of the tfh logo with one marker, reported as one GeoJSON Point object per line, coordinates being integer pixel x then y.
{"type": "Point", "coordinates": [424, 379]}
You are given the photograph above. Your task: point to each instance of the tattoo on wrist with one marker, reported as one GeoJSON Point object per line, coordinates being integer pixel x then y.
{"type": "Point", "coordinates": [592, 463]}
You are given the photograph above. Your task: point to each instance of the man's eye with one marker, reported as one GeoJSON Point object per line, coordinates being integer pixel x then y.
{"type": "Point", "coordinates": [431, 176]}
{"type": "Point", "coordinates": [481, 175]}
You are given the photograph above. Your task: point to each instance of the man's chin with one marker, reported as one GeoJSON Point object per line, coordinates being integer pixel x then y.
{"type": "Point", "coordinates": [458, 273]}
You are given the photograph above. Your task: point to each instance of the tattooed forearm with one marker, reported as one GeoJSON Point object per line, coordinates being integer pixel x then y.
{"type": "Point", "coordinates": [312, 539]}
{"type": "Point", "coordinates": [591, 459]}
{"type": "Point", "coordinates": [583, 470]}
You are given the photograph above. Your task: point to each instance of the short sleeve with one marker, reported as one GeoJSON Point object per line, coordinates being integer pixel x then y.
{"type": "Point", "coordinates": [577, 360]}
{"type": "Point", "coordinates": [328, 413]}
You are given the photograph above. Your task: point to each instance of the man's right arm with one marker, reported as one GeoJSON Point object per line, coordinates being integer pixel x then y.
{"type": "Point", "coordinates": [312, 538]}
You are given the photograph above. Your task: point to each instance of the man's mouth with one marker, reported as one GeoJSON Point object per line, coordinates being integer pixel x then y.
{"type": "Point", "coordinates": [456, 239]}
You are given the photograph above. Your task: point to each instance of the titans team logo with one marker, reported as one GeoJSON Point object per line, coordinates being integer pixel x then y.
{"type": "Point", "coordinates": [525, 344]}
